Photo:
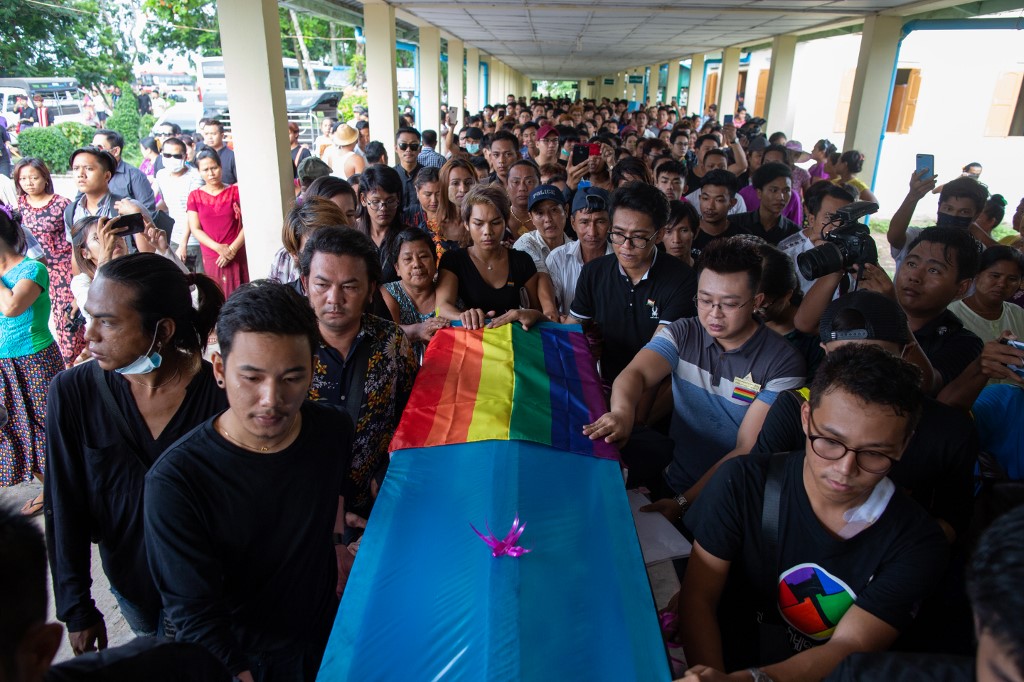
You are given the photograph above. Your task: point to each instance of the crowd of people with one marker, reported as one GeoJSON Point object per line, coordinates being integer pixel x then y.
{"type": "Point", "coordinates": [817, 431]}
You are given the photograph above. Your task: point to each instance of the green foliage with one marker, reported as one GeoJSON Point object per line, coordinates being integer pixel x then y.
{"type": "Point", "coordinates": [78, 134]}
{"type": "Point", "coordinates": [183, 27]}
{"type": "Point", "coordinates": [348, 103]}
{"type": "Point", "coordinates": [146, 124]}
{"type": "Point", "coordinates": [125, 120]}
{"type": "Point", "coordinates": [48, 144]}
{"type": "Point", "coordinates": [77, 39]}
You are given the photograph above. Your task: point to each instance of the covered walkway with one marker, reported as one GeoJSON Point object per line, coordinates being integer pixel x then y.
{"type": "Point", "coordinates": [688, 52]}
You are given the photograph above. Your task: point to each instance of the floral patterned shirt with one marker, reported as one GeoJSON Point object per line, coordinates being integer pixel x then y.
{"type": "Point", "coordinates": [383, 349]}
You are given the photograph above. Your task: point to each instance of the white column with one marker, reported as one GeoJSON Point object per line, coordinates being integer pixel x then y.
{"type": "Point", "coordinates": [473, 80]}
{"type": "Point", "coordinates": [865, 126]}
{"type": "Point", "coordinates": [652, 83]}
{"type": "Point", "coordinates": [456, 88]}
{"type": "Point", "coordinates": [250, 37]}
{"type": "Point", "coordinates": [492, 78]}
{"type": "Point", "coordinates": [381, 80]}
{"type": "Point", "coordinates": [672, 84]}
{"type": "Point", "coordinates": [430, 79]}
{"type": "Point", "coordinates": [780, 109]}
{"type": "Point", "coordinates": [730, 81]}
{"type": "Point", "coordinates": [695, 94]}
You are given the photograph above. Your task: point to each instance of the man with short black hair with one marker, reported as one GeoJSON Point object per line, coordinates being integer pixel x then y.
{"type": "Point", "coordinates": [528, 138]}
{"type": "Point", "coordinates": [255, 583]}
{"type": "Point", "coordinates": [407, 149]}
{"type": "Point", "coordinates": [503, 151]}
{"type": "Point", "coordinates": [774, 185]}
{"type": "Point", "coordinates": [174, 182]}
{"type": "Point", "coordinates": [213, 136]}
{"type": "Point", "coordinates": [717, 199]}
{"type": "Point", "coordinates": [429, 157]}
{"type": "Point", "coordinates": [656, 289]}
{"type": "Point", "coordinates": [364, 365]}
{"type": "Point", "coordinates": [376, 153]}
{"type": "Point", "coordinates": [669, 178]}
{"type": "Point", "coordinates": [802, 558]}
{"type": "Point", "coordinates": [127, 180]}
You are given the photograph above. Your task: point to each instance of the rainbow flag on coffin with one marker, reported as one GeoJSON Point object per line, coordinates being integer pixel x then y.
{"type": "Point", "coordinates": [506, 384]}
{"type": "Point", "coordinates": [492, 433]}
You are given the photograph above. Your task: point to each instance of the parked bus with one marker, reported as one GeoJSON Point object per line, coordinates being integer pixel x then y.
{"type": "Point", "coordinates": [211, 81]}
{"type": "Point", "coordinates": [165, 81]}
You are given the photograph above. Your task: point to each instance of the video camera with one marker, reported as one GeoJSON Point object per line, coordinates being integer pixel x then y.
{"type": "Point", "coordinates": [848, 242]}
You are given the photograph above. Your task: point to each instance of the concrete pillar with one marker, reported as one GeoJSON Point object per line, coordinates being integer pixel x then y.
{"type": "Point", "coordinates": [473, 80]}
{"type": "Point", "coordinates": [430, 79]}
{"type": "Point", "coordinates": [730, 81]}
{"type": "Point", "coordinates": [492, 79]}
{"type": "Point", "coordinates": [635, 90]}
{"type": "Point", "coordinates": [872, 85]}
{"type": "Point", "coordinates": [780, 109]}
{"type": "Point", "coordinates": [672, 84]}
{"type": "Point", "coordinates": [456, 87]}
{"type": "Point", "coordinates": [653, 78]}
{"type": "Point", "coordinates": [381, 80]}
{"type": "Point", "coordinates": [695, 94]}
{"type": "Point", "coordinates": [251, 40]}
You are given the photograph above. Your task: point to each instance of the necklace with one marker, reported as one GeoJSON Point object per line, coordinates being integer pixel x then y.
{"type": "Point", "coordinates": [489, 266]}
{"type": "Point", "coordinates": [224, 432]}
{"type": "Point", "coordinates": [528, 221]}
{"type": "Point", "coordinates": [139, 383]}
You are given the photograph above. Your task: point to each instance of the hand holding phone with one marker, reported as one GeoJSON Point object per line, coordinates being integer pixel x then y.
{"type": "Point", "coordinates": [132, 223]}
{"type": "Point", "coordinates": [580, 153]}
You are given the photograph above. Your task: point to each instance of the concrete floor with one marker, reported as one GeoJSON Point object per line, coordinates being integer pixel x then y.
{"type": "Point", "coordinates": [118, 631]}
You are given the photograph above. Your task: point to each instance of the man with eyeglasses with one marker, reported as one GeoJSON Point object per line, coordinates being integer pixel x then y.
{"type": "Point", "coordinates": [174, 182]}
{"type": "Point", "coordinates": [162, 133]}
{"type": "Point", "coordinates": [547, 145]}
{"type": "Point", "coordinates": [407, 149]}
{"type": "Point", "coordinates": [802, 558]}
{"type": "Point", "coordinates": [632, 292]}
{"type": "Point", "coordinates": [726, 366]}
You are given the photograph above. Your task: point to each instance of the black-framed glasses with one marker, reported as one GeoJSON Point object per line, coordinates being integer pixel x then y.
{"type": "Point", "coordinates": [378, 204]}
{"type": "Point", "coordinates": [172, 156]}
{"type": "Point", "coordinates": [408, 145]}
{"type": "Point", "coordinates": [619, 239]}
{"type": "Point", "coordinates": [706, 304]}
{"type": "Point", "coordinates": [871, 461]}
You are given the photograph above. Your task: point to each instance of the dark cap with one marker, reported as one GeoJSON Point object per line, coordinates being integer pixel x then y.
{"type": "Point", "coordinates": [593, 198]}
{"type": "Point", "coordinates": [360, 109]}
{"type": "Point", "coordinates": [758, 143]}
{"type": "Point", "coordinates": [545, 193]}
{"type": "Point", "coordinates": [546, 130]}
{"type": "Point", "coordinates": [311, 168]}
{"type": "Point", "coordinates": [474, 133]}
{"type": "Point", "coordinates": [865, 315]}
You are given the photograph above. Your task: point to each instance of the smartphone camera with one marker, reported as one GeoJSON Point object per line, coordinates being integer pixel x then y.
{"type": "Point", "coordinates": [1017, 369]}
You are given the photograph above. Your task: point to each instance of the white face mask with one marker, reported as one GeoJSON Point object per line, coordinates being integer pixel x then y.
{"type": "Point", "coordinates": [174, 165]}
{"type": "Point", "coordinates": [147, 362]}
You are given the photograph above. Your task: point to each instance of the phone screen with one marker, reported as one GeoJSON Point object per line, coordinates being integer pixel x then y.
{"type": "Point", "coordinates": [580, 152]}
{"type": "Point", "coordinates": [727, 119]}
{"type": "Point", "coordinates": [130, 224]}
{"type": "Point", "coordinates": [926, 162]}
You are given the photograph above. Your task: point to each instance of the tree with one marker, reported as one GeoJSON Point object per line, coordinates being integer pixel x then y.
{"type": "Point", "coordinates": [182, 26]}
{"type": "Point", "coordinates": [79, 39]}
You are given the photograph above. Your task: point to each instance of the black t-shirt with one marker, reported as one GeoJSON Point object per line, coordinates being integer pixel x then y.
{"type": "Point", "coordinates": [145, 658]}
{"type": "Point", "coordinates": [903, 667]}
{"type": "Point", "coordinates": [240, 543]}
{"type": "Point", "coordinates": [702, 238]}
{"type": "Point", "coordinates": [750, 222]}
{"type": "Point", "coordinates": [628, 314]}
{"type": "Point", "coordinates": [937, 468]}
{"type": "Point", "coordinates": [476, 292]}
{"type": "Point", "coordinates": [948, 345]}
{"type": "Point", "coordinates": [298, 154]}
{"type": "Point", "coordinates": [95, 480]}
{"type": "Point", "coordinates": [814, 578]}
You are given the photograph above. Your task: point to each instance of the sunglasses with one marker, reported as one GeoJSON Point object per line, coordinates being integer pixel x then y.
{"type": "Point", "coordinates": [408, 145]}
{"type": "Point", "coordinates": [173, 156]}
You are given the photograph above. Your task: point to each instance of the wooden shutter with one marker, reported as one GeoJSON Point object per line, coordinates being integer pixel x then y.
{"type": "Point", "coordinates": [910, 102]}
{"type": "Point", "coordinates": [1004, 101]}
{"type": "Point", "coordinates": [762, 92]}
{"type": "Point", "coordinates": [711, 89]}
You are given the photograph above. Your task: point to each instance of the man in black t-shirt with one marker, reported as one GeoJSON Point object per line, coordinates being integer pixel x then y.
{"type": "Point", "coordinates": [240, 513]}
{"type": "Point", "coordinates": [717, 197]}
{"type": "Point", "coordinates": [629, 294]}
{"type": "Point", "coordinates": [804, 558]}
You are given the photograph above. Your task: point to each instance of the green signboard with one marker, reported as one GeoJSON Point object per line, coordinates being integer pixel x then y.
{"type": "Point", "coordinates": [636, 78]}
{"type": "Point", "coordinates": [609, 81]}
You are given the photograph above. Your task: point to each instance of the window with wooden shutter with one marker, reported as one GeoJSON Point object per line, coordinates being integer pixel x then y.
{"type": "Point", "coordinates": [904, 101]}
{"type": "Point", "coordinates": [1006, 106]}
{"type": "Point", "coordinates": [762, 92]}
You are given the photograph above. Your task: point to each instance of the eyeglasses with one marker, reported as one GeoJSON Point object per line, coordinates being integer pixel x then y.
{"type": "Point", "coordinates": [378, 204]}
{"type": "Point", "coordinates": [871, 461]}
{"type": "Point", "coordinates": [172, 156]}
{"type": "Point", "coordinates": [402, 146]}
{"type": "Point", "coordinates": [705, 304]}
{"type": "Point", "coordinates": [619, 239]}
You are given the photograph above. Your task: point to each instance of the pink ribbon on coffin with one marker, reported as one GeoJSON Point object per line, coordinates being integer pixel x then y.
{"type": "Point", "coordinates": [508, 545]}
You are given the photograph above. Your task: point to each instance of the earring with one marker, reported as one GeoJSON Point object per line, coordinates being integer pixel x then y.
{"type": "Point", "coordinates": [220, 383]}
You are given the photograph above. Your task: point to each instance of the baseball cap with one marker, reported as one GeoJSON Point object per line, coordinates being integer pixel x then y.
{"type": "Point", "coordinates": [311, 168]}
{"type": "Point", "coordinates": [593, 198]}
{"type": "Point", "coordinates": [546, 130]}
{"type": "Point", "coordinates": [757, 143]}
{"type": "Point", "coordinates": [474, 133]}
{"type": "Point", "coordinates": [545, 193]}
{"type": "Point", "coordinates": [864, 315]}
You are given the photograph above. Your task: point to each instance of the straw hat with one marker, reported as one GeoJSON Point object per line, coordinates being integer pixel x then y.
{"type": "Point", "coordinates": [345, 134]}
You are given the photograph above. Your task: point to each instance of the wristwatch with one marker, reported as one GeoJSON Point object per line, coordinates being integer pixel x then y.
{"type": "Point", "coordinates": [759, 675]}
{"type": "Point", "coordinates": [683, 503]}
{"type": "Point", "coordinates": [339, 539]}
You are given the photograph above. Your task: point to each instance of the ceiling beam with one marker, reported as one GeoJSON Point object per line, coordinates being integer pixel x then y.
{"type": "Point", "coordinates": [636, 9]}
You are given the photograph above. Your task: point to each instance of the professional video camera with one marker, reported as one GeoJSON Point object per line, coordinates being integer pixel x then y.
{"type": "Point", "coordinates": [848, 242]}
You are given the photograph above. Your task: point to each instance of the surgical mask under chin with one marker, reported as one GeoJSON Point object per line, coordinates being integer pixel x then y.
{"type": "Point", "coordinates": [145, 363]}
{"type": "Point", "coordinates": [174, 165]}
{"type": "Point", "coordinates": [472, 148]}
{"type": "Point", "coordinates": [947, 220]}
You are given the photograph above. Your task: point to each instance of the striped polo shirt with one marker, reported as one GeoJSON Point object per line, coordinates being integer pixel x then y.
{"type": "Point", "coordinates": [712, 389]}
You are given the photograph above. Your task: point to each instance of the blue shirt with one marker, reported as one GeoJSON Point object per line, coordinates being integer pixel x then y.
{"type": "Point", "coordinates": [712, 389]}
{"type": "Point", "coordinates": [997, 415]}
{"type": "Point", "coordinates": [29, 332]}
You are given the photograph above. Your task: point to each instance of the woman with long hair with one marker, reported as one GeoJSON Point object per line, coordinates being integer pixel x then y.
{"type": "Point", "coordinates": [456, 178]}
